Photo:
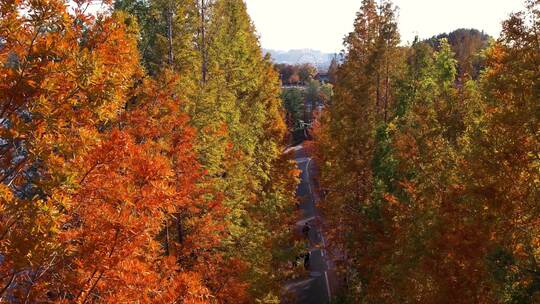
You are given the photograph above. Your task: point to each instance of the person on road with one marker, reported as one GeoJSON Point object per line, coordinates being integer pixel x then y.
{"type": "Point", "coordinates": [306, 229]}
{"type": "Point", "coordinates": [306, 260]}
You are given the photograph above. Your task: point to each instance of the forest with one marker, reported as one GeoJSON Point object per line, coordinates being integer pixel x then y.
{"type": "Point", "coordinates": [430, 163]}
{"type": "Point", "coordinates": [151, 152]}
{"type": "Point", "coordinates": [141, 154]}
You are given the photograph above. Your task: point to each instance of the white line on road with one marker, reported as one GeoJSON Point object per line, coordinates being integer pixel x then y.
{"type": "Point", "coordinates": [309, 179]}
{"type": "Point", "coordinates": [299, 283]}
{"type": "Point", "coordinates": [328, 287]}
{"type": "Point", "coordinates": [304, 221]}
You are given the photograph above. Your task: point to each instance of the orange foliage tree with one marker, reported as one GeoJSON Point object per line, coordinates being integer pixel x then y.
{"type": "Point", "coordinates": [100, 198]}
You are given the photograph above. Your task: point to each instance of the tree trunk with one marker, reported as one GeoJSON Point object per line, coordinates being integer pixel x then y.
{"type": "Point", "coordinates": [378, 102]}
{"type": "Point", "coordinates": [203, 42]}
{"type": "Point", "coordinates": [387, 89]}
{"type": "Point", "coordinates": [179, 228]}
{"type": "Point", "coordinates": [170, 34]}
{"type": "Point", "coordinates": [167, 240]}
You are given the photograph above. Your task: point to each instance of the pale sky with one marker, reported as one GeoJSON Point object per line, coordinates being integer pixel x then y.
{"type": "Point", "coordinates": [322, 24]}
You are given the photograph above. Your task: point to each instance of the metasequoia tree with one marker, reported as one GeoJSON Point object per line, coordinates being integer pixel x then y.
{"type": "Point", "coordinates": [62, 83]}
{"type": "Point", "coordinates": [436, 202]}
{"type": "Point", "coordinates": [361, 102]}
{"type": "Point", "coordinates": [232, 95]}
{"type": "Point", "coordinates": [97, 160]}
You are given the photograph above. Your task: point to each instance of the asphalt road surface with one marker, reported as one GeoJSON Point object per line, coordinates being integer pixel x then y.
{"type": "Point", "coordinates": [317, 287]}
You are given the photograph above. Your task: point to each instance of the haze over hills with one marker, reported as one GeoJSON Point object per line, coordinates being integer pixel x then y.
{"type": "Point", "coordinates": [297, 56]}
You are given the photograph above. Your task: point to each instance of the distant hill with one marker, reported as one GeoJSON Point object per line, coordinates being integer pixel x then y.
{"type": "Point", "coordinates": [319, 59]}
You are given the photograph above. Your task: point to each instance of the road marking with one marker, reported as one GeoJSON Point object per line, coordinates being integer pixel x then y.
{"type": "Point", "coordinates": [308, 178]}
{"type": "Point", "coordinates": [328, 286]}
{"type": "Point", "coordinates": [299, 284]}
{"type": "Point", "coordinates": [301, 160]}
{"type": "Point", "coordinates": [304, 221]}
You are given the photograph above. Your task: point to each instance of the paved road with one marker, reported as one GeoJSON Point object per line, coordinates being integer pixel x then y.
{"type": "Point", "coordinates": [317, 288]}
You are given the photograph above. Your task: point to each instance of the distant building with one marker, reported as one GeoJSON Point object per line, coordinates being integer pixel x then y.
{"type": "Point", "coordinates": [323, 77]}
